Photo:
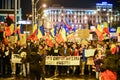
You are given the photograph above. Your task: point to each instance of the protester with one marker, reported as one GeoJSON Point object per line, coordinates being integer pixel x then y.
{"type": "Point", "coordinates": [98, 61]}
{"type": "Point", "coordinates": [90, 61]}
{"type": "Point", "coordinates": [110, 67]}
{"type": "Point", "coordinates": [74, 52]}
{"type": "Point", "coordinates": [64, 51]}
{"type": "Point", "coordinates": [35, 69]}
{"type": "Point", "coordinates": [8, 54]}
{"type": "Point", "coordinates": [24, 51]}
{"type": "Point", "coordinates": [2, 58]}
{"type": "Point", "coordinates": [83, 58]}
{"type": "Point", "coordinates": [42, 53]}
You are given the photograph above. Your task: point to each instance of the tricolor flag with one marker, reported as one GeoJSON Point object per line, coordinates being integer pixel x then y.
{"type": "Point", "coordinates": [33, 36]}
{"type": "Point", "coordinates": [54, 31]}
{"type": "Point", "coordinates": [63, 34]}
{"type": "Point", "coordinates": [39, 33]}
{"type": "Point", "coordinates": [42, 30]}
{"type": "Point", "coordinates": [106, 28]}
{"type": "Point", "coordinates": [118, 31]}
{"type": "Point", "coordinates": [113, 48]}
{"type": "Point", "coordinates": [99, 32]}
{"type": "Point", "coordinates": [34, 28]}
{"type": "Point", "coordinates": [12, 28]}
{"type": "Point", "coordinates": [67, 24]}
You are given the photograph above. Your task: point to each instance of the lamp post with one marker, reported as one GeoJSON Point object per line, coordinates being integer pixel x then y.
{"type": "Point", "coordinates": [39, 14]}
{"type": "Point", "coordinates": [32, 13]}
{"type": "Point", "coordinates": [35, 10]}
{"type": "Point", "coordinates": [15, 14]}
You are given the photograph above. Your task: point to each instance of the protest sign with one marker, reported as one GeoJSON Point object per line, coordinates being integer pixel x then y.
{"type": "Point", "coordinates": [22, 39]}
{"type": "Point", "coordinates": [16, 58]}
{"type": "Point", "coordinates": [89, 52]}
{"type": "Point", "coordinates": [63, 60]}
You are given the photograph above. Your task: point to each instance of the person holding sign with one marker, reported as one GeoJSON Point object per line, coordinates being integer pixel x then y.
{"type": "Point", "coordinates": [64, 51]}
{"type": "Point", "coordinates": [56, 52]}
{"type": "Point", "coordinates": [74, 52]}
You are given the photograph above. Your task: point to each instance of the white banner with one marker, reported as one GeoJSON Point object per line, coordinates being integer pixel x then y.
{"type": "Point", "coordinates": [63, 60]}
{"type": "Point", "coordinates": [89, 52]}
{"type": "Point", "coordinates": [16, 58]}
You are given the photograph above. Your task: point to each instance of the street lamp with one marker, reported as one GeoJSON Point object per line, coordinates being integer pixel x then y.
{"type": "Point", "coordinates": [37, 16]}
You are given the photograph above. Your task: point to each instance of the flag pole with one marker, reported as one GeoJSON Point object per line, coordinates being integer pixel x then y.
{"type": "Point", "coordinates": [33, 16]}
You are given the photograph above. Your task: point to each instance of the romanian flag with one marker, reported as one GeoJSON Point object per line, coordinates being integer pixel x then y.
{"type": "Point", "coordinates": [53, 31]}
{"type": "Point", "coordinates": [118, 31]}
{"type": "Point", "coordinates": [63, 34]}
{"type": "Point", "coordinates": [67, 24]}
{"type": "Point", "coordinates": [12, 28]}
{"type": "Point", "coordinates": [39, 34]}
{"type": "Point", "coordinates": [99, 32]}
{"type": "Point", "coordinates": [33, 36]}
{"type": "Point", "coordinates": [35, 28]}
{"type": "Point", "coordinates": [106, 28]}
{"type": "Point", "coordinates": [42, 30]}
{"type": "Point", "coordinates": [49, 40]}
{"type": "Point", "coordinates": [19, 29]}
{"type": "Point", "coordinates": [113, 48]}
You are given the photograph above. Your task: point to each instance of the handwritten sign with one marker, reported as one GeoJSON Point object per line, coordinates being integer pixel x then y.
{"type": "Point", "coordinates": [16, 58]}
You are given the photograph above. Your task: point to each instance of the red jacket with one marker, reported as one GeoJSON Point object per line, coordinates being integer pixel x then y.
{"type": "Point", "coordinates": [108, 75]}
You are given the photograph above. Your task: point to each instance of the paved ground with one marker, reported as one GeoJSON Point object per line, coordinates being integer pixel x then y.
{"type": "Point", "coordinates": [63, 77]}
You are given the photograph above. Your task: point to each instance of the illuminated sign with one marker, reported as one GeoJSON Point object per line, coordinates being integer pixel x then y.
{"type": "Point", "coordinates": [103, 3]}
{"type": "Point", "coordinates": [24, 22]}
{"type": "Point", "coordinates": [112, 30]}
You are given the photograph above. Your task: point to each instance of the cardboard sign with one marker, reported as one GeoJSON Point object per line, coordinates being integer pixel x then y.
{"type": "Point", "coordinates": [22, 39]}
{"type": "Point", "coordinates": [16, 58]}
{"type": "Point", "coordinates": [83, 33]}
{"type": "Point", "coordinates": [89, 52]}
{"type": "Point", "coordinates": [13, 39]}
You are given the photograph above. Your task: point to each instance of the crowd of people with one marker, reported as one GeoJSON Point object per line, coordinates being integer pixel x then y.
{"type": "Point", "coordinates": [33, 56]}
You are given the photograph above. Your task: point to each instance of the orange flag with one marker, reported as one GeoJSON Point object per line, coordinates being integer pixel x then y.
{"type": "Point", "coordinates": [59, 38]}
{"type": "Point", "coordinates": [106, 29]}
{"type": "Point", "coordinates": [113, 48]}
{"type": "Point", "coordinates": [7, 31]}
{"type": "Point", "coordinates": [99, 33]}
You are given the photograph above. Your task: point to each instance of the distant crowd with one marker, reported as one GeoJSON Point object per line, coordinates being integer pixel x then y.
{"type": "Point", "coordinates": [104, 64]}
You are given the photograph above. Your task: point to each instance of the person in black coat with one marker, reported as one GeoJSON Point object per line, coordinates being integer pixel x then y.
{"type": "Point", "coordinates": [8, 54]}
{"type": "Point", "coordinates": [34, 60]}
{"type": "Point", "coordinates": [2, 61]}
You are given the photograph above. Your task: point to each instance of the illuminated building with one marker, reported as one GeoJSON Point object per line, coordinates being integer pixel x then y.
{"type": "Point", "coordinates": [77, 17]}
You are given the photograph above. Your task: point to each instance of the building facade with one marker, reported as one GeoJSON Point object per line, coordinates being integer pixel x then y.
{"type": "Point", "coordinates": [7, 7]}
{"type": "Point", "coordinates": [78, 17]}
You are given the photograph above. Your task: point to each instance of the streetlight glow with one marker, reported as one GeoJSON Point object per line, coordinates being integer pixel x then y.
{"type": "Point", "coordinates": [44, 5]}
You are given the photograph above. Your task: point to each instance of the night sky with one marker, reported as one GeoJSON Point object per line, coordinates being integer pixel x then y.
{"type": "Point", "coordinates": [27, 9]}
